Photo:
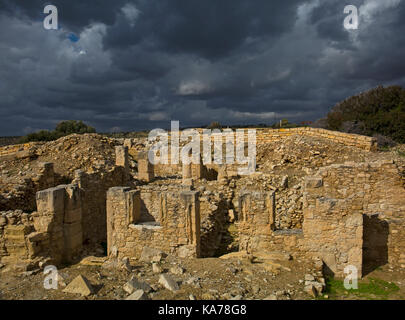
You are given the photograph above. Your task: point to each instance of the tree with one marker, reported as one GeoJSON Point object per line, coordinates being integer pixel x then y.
{"type": "Point", "coordinates": [73, 126]}
{"type": "Point", "coordinates": [62, 129]}
{"type": "Point", "coordinates": [214, 125]}
{"type": "Point", "coordinates": [380, 111]}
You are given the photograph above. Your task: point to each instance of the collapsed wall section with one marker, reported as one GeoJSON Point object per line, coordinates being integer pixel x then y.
{"type": "Point", "coordinates": [23, 196]}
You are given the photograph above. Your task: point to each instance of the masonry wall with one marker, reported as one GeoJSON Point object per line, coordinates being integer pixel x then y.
{"type": "Point", "coordinates": [257, 226]}
{"type": "Point", "coordinates": [53, 232]}
{"type": "Point", "coordinates": [256, 217]}
{"type": "Point", "coordinates": [58, 224]}
{"type": "Point", "coordinates": [266, 135]}
{"type": "Point", "coordinates": [214, 213]}
{"type": "Point", "coordinates": [333, 231]}
{"type": "Point", "coordinates": [354, 140]}
{"type": "Point", "coordinates": [14, 227]}
{"type": "Point", "coordinates": [177, 233]}
{"type": "Point", "coordinates": [359, 208]}
{"type": "Point", "coordinates": [94, 188]}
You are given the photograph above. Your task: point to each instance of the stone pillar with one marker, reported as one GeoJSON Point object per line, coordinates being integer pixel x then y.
{"type": "Point", "coordinates": [191, 204]}
{"type": "Point", "coordinates": [134, 206]}
{"type": "Point", "coordinates": [78, 177]}
{"type": "Point", "coordinates": [128, 143]}
{"type": "Point", "coordinates": [222, 172]}
{"type": "Point", "coordinates": [121, 157]}
{"type": "Point", "coordinates": [271, 206]}
{"type": "Point", "coordinates": [197, 170]}
{"type": "Point", "coordinates": [123, 209]}
{"type": "Point", "coordinates": [49, 219]}
{"type": "Point", "coordinates": [187, 174]}
{"type": "Point", "coordinates": [145, 168]}
{"type": "Point", "coordinates": [72, 223]}
{"type": "Point", "coordinates": [47, 170]}
{"type": "Point", "coordinates": [59, 215]}
{"type": "Point", "coordinates": [116, 215]}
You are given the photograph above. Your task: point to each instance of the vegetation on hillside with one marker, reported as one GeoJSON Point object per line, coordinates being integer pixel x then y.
{"type": "Point", "coordinates": [378, 112]}
{"type": "Point", "coordinates": [63, 128]}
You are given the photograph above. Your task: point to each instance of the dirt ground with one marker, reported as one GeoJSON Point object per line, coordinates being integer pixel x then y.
{"type": "Point", "coordinates": [203, 279]}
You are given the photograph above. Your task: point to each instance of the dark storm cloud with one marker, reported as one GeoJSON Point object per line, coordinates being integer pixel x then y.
{"type": "Point", "coordinates": [139, 64]}
{"type": "Point", "coordinates": [75, 14]}
{"type": "Point", "coordinates": [208, 28]}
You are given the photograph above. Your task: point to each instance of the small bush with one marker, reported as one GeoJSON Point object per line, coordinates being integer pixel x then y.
{"type": "Point", "coordinates": [63, 128]}
{"type": "Point", "coordinates": [214, 125]}
{"type": "Point", "coordinates": [377, 111]}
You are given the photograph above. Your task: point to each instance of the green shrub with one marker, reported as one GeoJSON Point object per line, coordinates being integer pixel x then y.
{"type": "Point", "coordinates": [63, 128]}
{"type": "Point", "coordinates": [377, 111]}
{"type": "Point", "coordinates": [214, 125]}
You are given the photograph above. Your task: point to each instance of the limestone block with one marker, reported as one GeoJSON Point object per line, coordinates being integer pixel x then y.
{"type": "Point", "coordinates": [313, 182]}
{"type": "Point", "coordinates": [80, 285]}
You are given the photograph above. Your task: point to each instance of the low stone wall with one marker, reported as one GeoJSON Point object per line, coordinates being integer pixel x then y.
{"type": "Point", "coordinates": [14, 227]}
{"type": "Point", "coordinates": [266, 135]}
{"type": "Point", "coordinates": [354, 140]}
{"type": "Point", "coordinates": [177, 233]}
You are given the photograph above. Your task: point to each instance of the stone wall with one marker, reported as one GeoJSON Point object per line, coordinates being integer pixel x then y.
{"type": "Point", "coordinates": [214, 219]}
{"type": "Point", "coordinates": [359, 210]}
{"type": "Point", "coordinates": [14, 227]}
{"type": "Point", "coordinates": [53, 232]}
{"type": "Point", "coordinates": [263, 136]}
{"type": "Point", "coordinates": [256, 217]}
{"type": "Point", "coordinates": [334, 233]}
{"type": "Point", "coordinates": [178, 231]}
{"type": "Point", "coordinates": [257, 226]}
{"type": "Point", "coordinates": [354, 140]}
{"type": "Point", "coordinates": [58, 224]}
{"type": "Point", "coordinates": [266, 135]}
{"type": "Point", "coordinates": [94, 186]}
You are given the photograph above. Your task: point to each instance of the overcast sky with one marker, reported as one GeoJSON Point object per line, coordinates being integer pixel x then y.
{"type": "Point", "coordinates": [137, 64]}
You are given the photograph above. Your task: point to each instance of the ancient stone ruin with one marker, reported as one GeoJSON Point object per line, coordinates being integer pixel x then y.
{"type": "Point", "coordinates": [316, 194]}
